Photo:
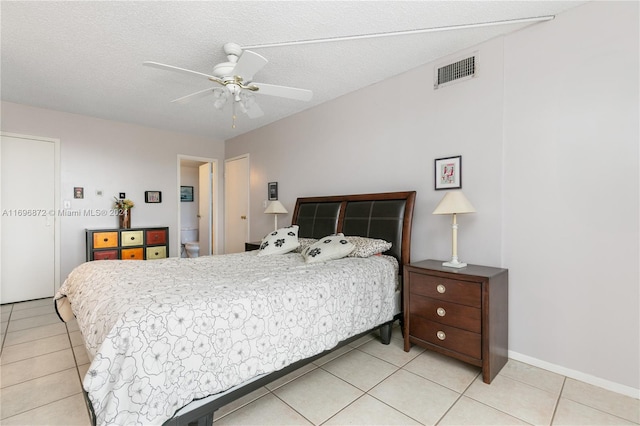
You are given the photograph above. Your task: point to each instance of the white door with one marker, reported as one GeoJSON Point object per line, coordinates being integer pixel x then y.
{"type": "Point", "coordinates": [27, 205]}
{"type": "Point", "coordinates": [236, 203]}
{"type": "Point", "coordinates": [205, 209]}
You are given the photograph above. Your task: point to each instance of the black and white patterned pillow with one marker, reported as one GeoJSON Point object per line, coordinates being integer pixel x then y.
{"type": "Point", "coordinates": [328, 248]}
{"type": "Point", "coordinates": [281, 241]}
{"type": "Point", "coordinates": [366, 247]}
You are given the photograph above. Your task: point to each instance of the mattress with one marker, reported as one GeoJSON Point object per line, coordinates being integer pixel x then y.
{"type": "Point", "coordinates": [167, 332]}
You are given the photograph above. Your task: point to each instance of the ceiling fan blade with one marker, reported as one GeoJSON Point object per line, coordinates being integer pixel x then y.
{"type": "Point", "coordinates": [249, 64]}
{"type": "Point", "coordinates": [283, 91]}
{"type": "Point", "coordinates": [181, 70]}
{"type": "Point", "coordinates": [254, 111]}
{"type": "Point", "coordinates": [192, 96]}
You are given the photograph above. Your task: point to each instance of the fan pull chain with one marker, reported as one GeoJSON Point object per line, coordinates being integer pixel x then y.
{"type": "Point", "coordinates": [233, 122]}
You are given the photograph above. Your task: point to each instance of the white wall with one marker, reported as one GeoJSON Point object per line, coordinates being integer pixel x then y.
{"type": "Point", "coordinates": [571, 191]}
{"type": "Point", "coordinates": [114, 157]}
{"type": "Point", "coordinates": [550, 161]}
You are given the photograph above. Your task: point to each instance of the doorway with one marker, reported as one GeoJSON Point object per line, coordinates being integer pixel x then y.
{"type": "Point", "coordinates": [197, 213]}
{"type": "Point", "coordinates": [236, 203]}
{"type": "Point", "coordinates": [29, 200]}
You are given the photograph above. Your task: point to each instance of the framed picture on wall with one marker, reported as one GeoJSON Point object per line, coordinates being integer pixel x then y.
{"type": "Point", "coordinates": [152, 196]}
{"type": "Point", "coordinates": [186, 193]}
{"type": "Point", "coordinates": [448, 173]}
{"type": "Point", "coordinates": [273, 190]}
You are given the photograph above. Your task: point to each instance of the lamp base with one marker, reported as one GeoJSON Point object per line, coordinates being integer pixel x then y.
{"type": "Point", "coordinates": [454, 264]}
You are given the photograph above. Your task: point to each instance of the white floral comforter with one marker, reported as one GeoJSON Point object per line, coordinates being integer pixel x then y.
{"type": "Point", "coordinates": [163, 333]}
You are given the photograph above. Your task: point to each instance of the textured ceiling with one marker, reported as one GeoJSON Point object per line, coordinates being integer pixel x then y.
{"type": "Point", "coordinates": [86, 57]}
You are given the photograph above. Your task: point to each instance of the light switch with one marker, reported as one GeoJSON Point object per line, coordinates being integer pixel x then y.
{"type": "Point", "coordinates": [66, 204]}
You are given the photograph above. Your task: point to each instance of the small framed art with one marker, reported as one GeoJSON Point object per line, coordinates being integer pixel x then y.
{"type": "Point", "coordinates": [186, 193]}
{"type": "Point", "coordinates": [78, 192]}
{"type": "Point", "coordinates": [448, 173]}
{"type": "Point", "coordinates": [273, 190]}
{"type": "Point", "coordinates": [152, 196]}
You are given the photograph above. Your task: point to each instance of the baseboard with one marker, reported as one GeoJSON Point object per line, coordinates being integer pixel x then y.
{"type": "Point", "coordinates": [578, 375]}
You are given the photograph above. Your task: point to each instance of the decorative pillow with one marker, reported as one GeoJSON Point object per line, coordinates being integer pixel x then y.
{"type": "Point", "coordinates": [281, 241]}
{"type": "Point", "coordinates": [365, 247]}
{"type": "Point", "coordinates": [328, 248]}
{"type": "Point", "coordinates": [304, 243]}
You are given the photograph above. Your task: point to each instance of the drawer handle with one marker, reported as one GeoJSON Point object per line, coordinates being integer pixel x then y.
{"type": "Point", "coordinates": [441, 335]}
{"type": "Point", "coordinates": [441, 288]}
{"type": "Point", "coordinates": [157, 253]}
{"type": "Point", "coordinates": [133, 238]}
{"type": "Point", "coordinates": [441, 312]}
{"type": "Point", "coordinates": [105, 240]}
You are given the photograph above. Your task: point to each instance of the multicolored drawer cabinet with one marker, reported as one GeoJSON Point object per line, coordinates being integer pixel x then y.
{"type": "Point", "coordinates": [127, 244]}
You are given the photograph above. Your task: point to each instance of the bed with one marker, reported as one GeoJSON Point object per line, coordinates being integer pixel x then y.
{"type": "Point", "coordinates": [173, 340]}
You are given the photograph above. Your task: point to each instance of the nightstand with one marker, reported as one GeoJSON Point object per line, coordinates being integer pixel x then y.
{"type": "Point", "coordinates": [254, 245]}
{"type": "Point", "coordinates": [462, 313]}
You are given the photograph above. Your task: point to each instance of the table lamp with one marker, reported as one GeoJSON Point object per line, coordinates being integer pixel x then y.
{"type": "Point", "coordinates": [275, 208]}
{"type": "Point", "coordinates": [454, 202]}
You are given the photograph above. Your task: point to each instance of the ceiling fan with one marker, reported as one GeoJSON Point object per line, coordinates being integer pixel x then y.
{"type": "Point", "coordinates": [235, 78]}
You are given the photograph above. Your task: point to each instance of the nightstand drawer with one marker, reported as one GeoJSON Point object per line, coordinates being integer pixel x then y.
{"type": "Point", "coordinates": [105, 239]}
{"type": "Point", "coordinates": [463, 292]}
{"type": "Point", "coordinates": [452, 338]}
{"type": "Point", "coordinates": [132, 238]}
{"type": "Point", "coordinates": [453, 314]}
{"type": "Point", "coordinates": [159, 252]}
{"type": "Point", "coordinates": [132, 254]}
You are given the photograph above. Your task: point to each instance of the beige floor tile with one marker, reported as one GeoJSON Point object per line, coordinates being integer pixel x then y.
{"type": "Point", "coordinates": [5, 315]}
{"type": "Point", "coordinates": [26, 396]}
{"type": "Point", "coordinates": [267, 410]}
{"type": "Point", "coordinates": [393, 352]}
{"type": "Point", "coordinates": [32, 322]}
{"type": "Point", "coordinates": [82, 370]}
{"type": "Point", "coordinates": [241, 402]}
{"type": "Point", "coordinates": [369, 411]}
{"type": "Point", "coordinates": [73, 325]}
{"type": "Point", "coordinates": [6, 309]}
{"type": "Point", "coordinates": [76, 338]}
{"type": "Point", "coordinates": [415, 396]}
{"type": "Point", "coordinates": [573, 413]}
{"type": "Point", "coordinates": [515, 398]}
{"type": "Point", "coordinates": [34, 348]}
{"type": "Point", "coordinates": [333, 355]}
{"type": "Point", "coordinates": [32, 368]}
{"type": "Point", "coordinates": [291, 376]}
{"type": "Point", "coordinates": [449, 372]}
{"type": "Point", "coordinates": [82, 357]}
{"type": "Point", "coordinates": [318, 395]}
{"type": "Point", "coordinates": [70, 411]}
{"type": "Point", "coordinates": [360, 369]}
{"type": "Point", "coordinates": [534, 376]}
{"type": "Point", "coordinates": [364, 339]}
{"type": "Point", "coordinates": [472, 413]}
{"type": "Point", "coordinates": [604, 400]}
{"type": "Point", "coordinates": [33, 312]}
{"type": "Point", "coordinates": [33, 304]}
{"type": "Point", "coordinates": [31, 334]}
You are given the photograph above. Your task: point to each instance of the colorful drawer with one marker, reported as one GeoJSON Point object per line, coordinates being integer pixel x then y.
{"type": "Point", "coordinates": [127, 244]}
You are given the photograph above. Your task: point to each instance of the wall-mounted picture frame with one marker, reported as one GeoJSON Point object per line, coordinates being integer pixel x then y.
{"type": "Point", "coordinates": [186, 193]}
{"type": "Point", "coordinates": [272, 189]}
{"type": "Point", "coordinates": [78, 192]}
{"type": "Point", "coordinates": [152, 196]}
{"type": "Point", "coordinates": [448, 173]}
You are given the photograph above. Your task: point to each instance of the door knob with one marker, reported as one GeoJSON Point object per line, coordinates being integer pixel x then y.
{"type": "Point", "coordinates": [243, 217]}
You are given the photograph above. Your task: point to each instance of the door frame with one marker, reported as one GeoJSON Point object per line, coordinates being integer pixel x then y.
{"type": "Point", "coordinates": [215, 184]}
{"type": "Point", "coordinates": [56, 203]}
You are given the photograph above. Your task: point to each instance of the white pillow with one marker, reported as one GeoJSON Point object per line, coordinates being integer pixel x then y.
{"type": "Point", "coordinates": [328, 248]}
{"type": "Point", "coordinates": [366, 247]}
{"type": "Point", "coordinates": [281, 241]}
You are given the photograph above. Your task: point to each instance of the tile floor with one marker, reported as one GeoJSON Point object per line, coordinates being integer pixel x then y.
{"type": "Point", "coordinates": [366, 383]}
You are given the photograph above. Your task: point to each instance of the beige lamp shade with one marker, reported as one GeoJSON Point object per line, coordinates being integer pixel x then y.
{"type": "Point", "coordinates": [275, 207]}
{"type": "Point", "coordinates": [454, 202]}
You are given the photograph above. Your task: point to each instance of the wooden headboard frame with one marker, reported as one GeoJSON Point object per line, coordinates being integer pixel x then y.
{"type": "Point", "coordinates": [386, 215]}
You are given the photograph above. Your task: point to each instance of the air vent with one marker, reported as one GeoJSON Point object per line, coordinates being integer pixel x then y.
{"type": "Point", "coordinates": [455, 72]}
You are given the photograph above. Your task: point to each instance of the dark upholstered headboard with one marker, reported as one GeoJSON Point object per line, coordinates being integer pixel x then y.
{"type": "Point", "coordinates": [386, 215]}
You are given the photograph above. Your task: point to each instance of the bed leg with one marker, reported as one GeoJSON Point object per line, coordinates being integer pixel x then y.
{"type": "Point", "coordinates": [385, 333]}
